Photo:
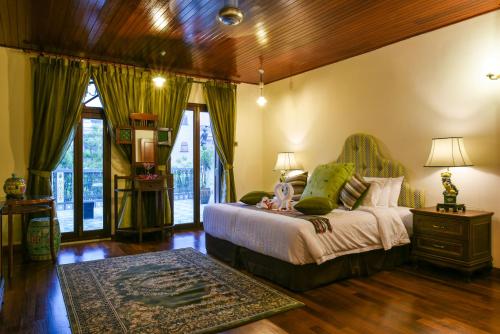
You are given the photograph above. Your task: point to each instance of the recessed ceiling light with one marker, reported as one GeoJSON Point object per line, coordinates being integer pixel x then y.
{"type": "Point", "coordinates": [163, 53]}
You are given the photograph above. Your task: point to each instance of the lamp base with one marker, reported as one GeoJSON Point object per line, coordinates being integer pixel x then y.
{"type": "Point", "coordinates": [447, 206]}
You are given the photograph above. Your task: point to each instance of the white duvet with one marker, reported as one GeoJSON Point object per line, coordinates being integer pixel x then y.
{"type": "Point", "coordinates": [294, 240]}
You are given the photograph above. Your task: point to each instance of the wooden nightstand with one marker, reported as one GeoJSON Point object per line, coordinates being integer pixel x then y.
{"type": "Point", "coordinates": [456, 240]}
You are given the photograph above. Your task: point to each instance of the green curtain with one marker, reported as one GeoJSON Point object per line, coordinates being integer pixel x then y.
{"type": "Point", "coordinates": [123, 90]}
{"type": "Point", "coordinates": [220, 98]}
{"type": "Point", "coordinates": [169, 103]}
{"type": "Point", "coordinates": [58, 89]}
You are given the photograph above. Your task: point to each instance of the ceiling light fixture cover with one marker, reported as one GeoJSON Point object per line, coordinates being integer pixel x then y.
{"type": "Point", "coordinates": [230, 14]}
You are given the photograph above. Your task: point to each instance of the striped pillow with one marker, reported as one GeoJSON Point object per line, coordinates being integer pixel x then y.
{"type": "Point", "coordinates": [353, 192]}
{"type": "Point", "coordinates": [298, 183]}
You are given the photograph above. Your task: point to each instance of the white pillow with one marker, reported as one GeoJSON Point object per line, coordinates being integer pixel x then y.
{"type": "Point", "coordinates": [385, 189]}
{"type": "Point", "coordinates": [396, 183]}
{"type": "Point", "coordinates": [390, 192]}
{"type": "Point", "coordinates": [373, 194]}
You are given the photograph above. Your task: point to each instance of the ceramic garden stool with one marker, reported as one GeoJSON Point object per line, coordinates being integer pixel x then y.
{"type": "Point", "coordinates": [38, 238]}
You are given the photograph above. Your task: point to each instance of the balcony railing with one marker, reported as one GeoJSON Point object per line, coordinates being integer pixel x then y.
{"type": "Point", "coordinates": [63, 183]}
{"type": "Point", "coordinates": [183, 183]}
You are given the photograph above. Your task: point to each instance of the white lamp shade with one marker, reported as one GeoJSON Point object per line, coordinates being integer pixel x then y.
{"type": "Point", "coordinates": [448, 152]}
{"type": "Point", "coordinates": [286, 161]}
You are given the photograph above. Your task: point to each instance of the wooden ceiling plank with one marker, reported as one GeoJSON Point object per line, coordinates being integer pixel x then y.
{"type": "Point", "coordinates": [289, 36]}
{"type": "Point", "coordinates": [146, 29]}
{"type": "Point", "coordinates": [4, 23]}
{"type": "Point", "coordinates": [302, 35]}
{"type": "Point", "coordinates": [132, 27]}
{"type": "Point", "coordinates": [83, 32]}
{"type": "Point", "coordinates": [13, 24]}
{"type": "Point", "coordinates": [105, 15]}
{"type": "Point", "coordinates": [78, 14]}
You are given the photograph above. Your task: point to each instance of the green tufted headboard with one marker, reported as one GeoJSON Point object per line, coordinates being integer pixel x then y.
{"type": "Point", "coordinates": [363, 151]}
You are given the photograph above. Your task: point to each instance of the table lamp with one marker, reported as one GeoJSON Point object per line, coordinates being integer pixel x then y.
{"type": "Point", "coordinates": [448, 152]}
{"type": "Point", "coordinates": [285, 163]}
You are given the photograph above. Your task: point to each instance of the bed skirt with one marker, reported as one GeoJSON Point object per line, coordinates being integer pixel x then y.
{"type": "Point", "coordinates": [308, 276]}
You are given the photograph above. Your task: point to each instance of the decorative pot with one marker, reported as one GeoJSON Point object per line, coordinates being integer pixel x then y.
{"type": "Point", "coordinates": [15, 187]}
{"type": "Point", "coordinates": [205, 195]}
{"type": "Point", "coordinates": [38, 237]}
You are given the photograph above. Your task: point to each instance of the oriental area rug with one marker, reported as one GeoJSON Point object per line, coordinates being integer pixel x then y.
{"type": "Point", "coordinates": [177, 291]}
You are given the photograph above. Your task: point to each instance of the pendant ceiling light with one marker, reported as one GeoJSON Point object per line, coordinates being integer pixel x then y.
{"type": "Point", "coordinates": [230, 14]}
{"type": "Point", "coordinates": [261, 101]}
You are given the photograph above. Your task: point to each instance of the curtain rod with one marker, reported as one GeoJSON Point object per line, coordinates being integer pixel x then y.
{"type": "Point", "coordinates": [79, 58]}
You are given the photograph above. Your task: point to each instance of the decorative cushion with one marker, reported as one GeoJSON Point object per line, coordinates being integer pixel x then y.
{"type": "Point", "coordinates": [327, 180]}
{"type": "Point", "coordinates": [354, 191]}
{"type": "Point", "coordinates": [298, 183]}
{"type": "Point", "coordinates": [255, 197]}
{"type": "Point", "coordinates": [315, 206]}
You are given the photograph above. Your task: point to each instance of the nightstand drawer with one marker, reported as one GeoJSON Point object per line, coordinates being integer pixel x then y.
{"type": "Point", "coordinates": [446, 248]}
{"type": "Point", "coordinates": [440, 226]}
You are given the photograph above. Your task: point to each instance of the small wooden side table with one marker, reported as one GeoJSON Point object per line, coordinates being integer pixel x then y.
{"type": "Point", "coordinates": [455, 240]}
{"type": "Point", "coordinates": [24, 206]}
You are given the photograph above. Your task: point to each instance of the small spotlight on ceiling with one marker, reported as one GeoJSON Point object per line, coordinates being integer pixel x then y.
{"type": "Point", "coordinates": [159, 81]}
{"type": "Point", "coordinates": [230, 14]}
{"type": "Point", "coordinates": [163, 53]}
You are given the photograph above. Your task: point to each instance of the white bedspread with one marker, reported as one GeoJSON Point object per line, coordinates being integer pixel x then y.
{"type": "Point", "coordinates": [294, 240]}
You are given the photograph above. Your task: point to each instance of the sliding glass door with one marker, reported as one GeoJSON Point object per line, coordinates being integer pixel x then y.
{"type": "Point", "coordinates": [195, 167]}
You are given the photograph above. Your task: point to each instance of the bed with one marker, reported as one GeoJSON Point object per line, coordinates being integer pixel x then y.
{"type": "Point", "coordinates": [287, 251]}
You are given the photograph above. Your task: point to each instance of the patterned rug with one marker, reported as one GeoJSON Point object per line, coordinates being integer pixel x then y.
{"type": "Point", "coordinates": [178, 291]}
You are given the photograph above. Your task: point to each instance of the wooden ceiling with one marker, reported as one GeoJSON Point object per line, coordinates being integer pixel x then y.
{"type": "Point", "coordinates": [287, 36]}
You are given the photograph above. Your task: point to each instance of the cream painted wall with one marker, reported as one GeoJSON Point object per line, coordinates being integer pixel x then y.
{"type": "Point", "coordinates": [15, 119]}
{"type": "Point", "coordinates": [404, 94]}
{"type": "Point", "coordinates": [15, 128]}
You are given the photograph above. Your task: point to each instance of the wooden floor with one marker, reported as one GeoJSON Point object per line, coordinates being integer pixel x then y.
{"type": "Point", "coordinates": [407, 300]}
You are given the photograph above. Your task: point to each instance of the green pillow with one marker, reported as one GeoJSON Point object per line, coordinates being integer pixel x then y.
{"type": "Point", "coordinates": [328, 180]}
{"type": "Point", "coordinates": [315, 206]}
{"type": "Point", "coordinates": [255, 197]}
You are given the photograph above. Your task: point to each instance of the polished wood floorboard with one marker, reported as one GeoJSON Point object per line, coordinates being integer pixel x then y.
{"type": "Point", "coordinates": [406, 300]}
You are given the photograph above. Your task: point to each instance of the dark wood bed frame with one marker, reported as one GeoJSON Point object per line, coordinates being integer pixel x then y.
{"type": "Point", "coordinates": [362, 150]}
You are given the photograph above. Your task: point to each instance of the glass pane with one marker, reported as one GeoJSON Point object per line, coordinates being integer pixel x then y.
{"type": "Point", "coordinates": [182, 169]}
{"type": "Point", "coordinates": [207, 163]}
{"type": "Point", "coordinates": [62, 190]}
{"type": "Point", "coordinates": [91, 98]}
{"type": "Point", "coordinates": [93, 161]}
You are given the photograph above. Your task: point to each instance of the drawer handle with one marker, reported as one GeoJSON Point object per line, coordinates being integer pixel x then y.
{"type": "Point", "coordinates": [438, 246]}
{"type": "Point", "coordinates": [439, 226]}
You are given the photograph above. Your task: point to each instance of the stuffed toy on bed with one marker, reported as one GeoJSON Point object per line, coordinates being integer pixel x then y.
{"type": "Point", "coordinates": [283, 193]}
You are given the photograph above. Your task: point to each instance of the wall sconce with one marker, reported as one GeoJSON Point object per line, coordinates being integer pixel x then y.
{"type": "Point", "coordinates": [492, 76]}
{"type": "Point", "coordinates": [159, 81]}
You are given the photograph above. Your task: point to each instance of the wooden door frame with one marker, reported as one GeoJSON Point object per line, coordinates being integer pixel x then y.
{"type": "Point", "coordinates": [197, 223]}
{"type": "Point", "coordinates": [78, 233]}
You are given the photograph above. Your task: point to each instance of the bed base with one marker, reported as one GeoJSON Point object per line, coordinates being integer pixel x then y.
{"type": "Point", "coordinates": [309, 276]}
